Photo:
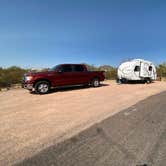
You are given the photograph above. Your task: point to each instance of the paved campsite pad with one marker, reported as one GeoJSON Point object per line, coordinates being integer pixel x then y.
{"type": "Point", "coordinates": [30, 123]}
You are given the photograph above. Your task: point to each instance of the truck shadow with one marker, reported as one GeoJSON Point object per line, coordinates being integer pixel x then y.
{"type": "Point", "coordinates": [72, 88]}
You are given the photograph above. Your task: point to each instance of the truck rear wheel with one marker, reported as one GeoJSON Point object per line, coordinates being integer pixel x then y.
{"type": "Point", "coordinates": [42, 87]}
{"type": "Point", "coordinates": [95, 82]}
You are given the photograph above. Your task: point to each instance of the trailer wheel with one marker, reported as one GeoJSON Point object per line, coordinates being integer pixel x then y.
{"type": "Point", "coordinates": [123, 80]}
{"type": "Point", "coordinates": [95, 82]}
{"type": "Point", "coordinates": [148, 81]}
{"type": "Point", "coordinates": [119, 81]}
{"type": "Point", "coordinates": [42, 87]}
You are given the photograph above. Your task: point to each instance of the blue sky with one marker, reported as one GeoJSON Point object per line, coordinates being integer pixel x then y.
{"type": "Point", "coordinates": [43, 33]}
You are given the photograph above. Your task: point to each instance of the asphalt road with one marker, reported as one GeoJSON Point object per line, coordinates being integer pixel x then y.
{"type": "Point", "coordinates": [133, 137]}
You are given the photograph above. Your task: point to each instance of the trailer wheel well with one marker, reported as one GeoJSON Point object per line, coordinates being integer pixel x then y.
{"type": "Point", "coordinates": [148, 80]}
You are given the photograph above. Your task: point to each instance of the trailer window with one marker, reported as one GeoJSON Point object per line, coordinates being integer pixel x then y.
{"type": "Point", "coordinates": [137, 68]}
{"type": "Point", "coordinates": [150, 68]}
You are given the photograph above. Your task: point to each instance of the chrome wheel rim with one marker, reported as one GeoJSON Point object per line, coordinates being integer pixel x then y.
{"type": "Point", "coordinates": [43, 88]}
{"type": "Point", "coordinates": [96, 83]}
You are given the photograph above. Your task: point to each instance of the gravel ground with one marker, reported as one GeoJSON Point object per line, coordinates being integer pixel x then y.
{"type": "Point", "coordinates": [30, 123]}
{"type": "Point", "coordinates": [133, 137]}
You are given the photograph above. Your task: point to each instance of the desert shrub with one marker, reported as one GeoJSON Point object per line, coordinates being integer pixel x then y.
{"type": "Point", "coordinates": [161, 70]}
{"type": "Point", "coordinates": [110, 72]}
{"type": "Point", "coordinates": [11, 75]}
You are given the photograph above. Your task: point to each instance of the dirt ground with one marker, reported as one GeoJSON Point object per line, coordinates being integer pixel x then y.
{"type": "Point", "coordinates": [30, 123]}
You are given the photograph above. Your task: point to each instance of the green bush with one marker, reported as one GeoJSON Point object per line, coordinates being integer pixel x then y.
{"type": "Point", "coordinates": [161, 70]}
{"type": "Point", "coordinates": [11, 75]}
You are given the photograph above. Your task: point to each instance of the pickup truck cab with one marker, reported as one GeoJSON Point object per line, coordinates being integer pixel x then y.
{"type": "Point", "coordinates": [62, 75]}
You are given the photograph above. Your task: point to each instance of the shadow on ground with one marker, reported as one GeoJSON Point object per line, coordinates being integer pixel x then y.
{"type": "Point", "coordinates": [135, 82]}
{"type": "Point", "coordinates": [62, 89]}
{"type": "Point", "coordinates": [72, 88]}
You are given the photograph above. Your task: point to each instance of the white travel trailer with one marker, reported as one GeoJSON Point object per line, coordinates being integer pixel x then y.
{"type": "Point", "coordinates": [137, 70]}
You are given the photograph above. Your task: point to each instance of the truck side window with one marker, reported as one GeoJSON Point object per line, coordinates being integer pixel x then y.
{"type": "Point", "coordinates": [66, 68]}
{"type": "Point", "coordinates": [137, 68]}
{"type": "Point", "coordinates": [78, 68]}
{"type": "Point", "coordinates": [150, 68]}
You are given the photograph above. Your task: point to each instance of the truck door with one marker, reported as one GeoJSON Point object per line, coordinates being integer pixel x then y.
{"type": "Point", "coordinates": [64, 75]}
{"type": "Point", "coordinates": [80, 76]}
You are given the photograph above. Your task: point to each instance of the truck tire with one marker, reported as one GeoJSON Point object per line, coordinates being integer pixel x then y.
{"type": "Point", "coordinates": [42, 87]}
{"type": "Point", "coordinates": [95, 82]}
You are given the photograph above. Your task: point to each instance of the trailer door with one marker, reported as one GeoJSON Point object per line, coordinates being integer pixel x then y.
{"type": "Point", "coordinates": [144, 72]}
{"type": "Point", "coordinates": [152, 72]}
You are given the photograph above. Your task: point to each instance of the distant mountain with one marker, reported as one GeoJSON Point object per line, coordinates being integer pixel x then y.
{"type": "Point", "coordinates": [106, 68]}
{"type": "Point", "coordinates": [100, 68]}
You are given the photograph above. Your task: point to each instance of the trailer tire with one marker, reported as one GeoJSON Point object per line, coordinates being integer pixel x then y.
{"type": "Point", "coordinates": [123, 80]}
{"type": "Point", "coordinates": [148, 81]}
{"type": "Point", "coordinates": [119, 81]}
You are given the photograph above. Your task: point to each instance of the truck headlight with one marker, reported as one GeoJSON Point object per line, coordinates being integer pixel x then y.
{"type": "Point", "coordinates": [28, 78]}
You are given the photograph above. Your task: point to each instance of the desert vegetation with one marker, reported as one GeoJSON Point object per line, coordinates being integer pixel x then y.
{"type": "Point", "coordinates": [13, 75]}
{"type": "Point", "coordinates": [161, 71]}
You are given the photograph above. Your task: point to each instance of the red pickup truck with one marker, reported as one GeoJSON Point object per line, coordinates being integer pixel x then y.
{"type": "Point", "coordinates": [62, 75]}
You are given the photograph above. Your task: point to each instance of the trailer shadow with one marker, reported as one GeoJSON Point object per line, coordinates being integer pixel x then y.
{"type": "Point", "coordinates": [136, 82]}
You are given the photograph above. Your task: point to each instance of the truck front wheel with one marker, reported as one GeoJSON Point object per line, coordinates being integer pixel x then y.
{"type": "Point", "coordinates": [95, 82]}
{"type": "Point", "coordinates": [42, 87]}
